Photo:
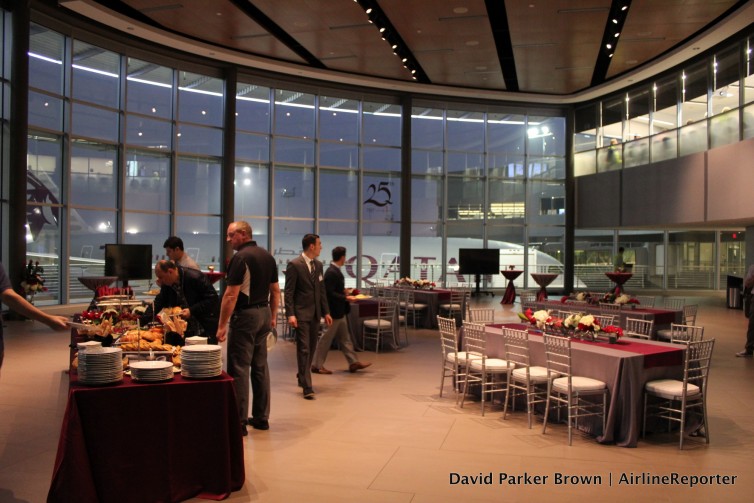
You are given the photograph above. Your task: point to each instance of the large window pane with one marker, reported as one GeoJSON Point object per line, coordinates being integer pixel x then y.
{"type": "Point", "coordinates": [43, 243]}
{"type": "Point", "coordinates": [89, 231]}
{"type": "Point", "coordinates": [545, 202]}
{"type": "Point", "coordinates": [252, 108]}
{"type": "Point", "coordinates": [288, 235]}
{"type": "Point", "coordinates": [503, 165]}
{"type": "Point", "coordinates": [691, 260]}
{"type": "Point", "coordinates": [382, 198]}
{"type": "Point", "coordinates": [426, 199]}
{"type": "Point", "coordinates": [465, 198]}
{"type": "Point", "coordinates": [198, 186]}
{"type": "Point", "coordinates": [148, 133]}
{"type": "Point", "coordinates": [199, 140]}
{"type": "Point", "coordinates": [149, 89]}
{"type": "Point", "coordinates": [94, 179]}
{"type": "Point", "coordinates": [92, 122]}
{"type": "Point", "coordinates": [693, 138]}
{"type": "Point", "coordinates": [382, 124]}
{"type": "Point", "coordinates": [44, 163]}
{"type": "Point", "coordinates": [253, 147]}
{"type": "Point", "coordinates": [429, 162]}
{"type": "Point", "coordinates": [694, 102]}
{"type": "Point", "coordinates": [294, 113]}
{"type": "Point", "coordinates": [506, 133]}
{"type": "Point", "coordinates": [290, 151]}
{"type": "Point", "coordinates": [665, 115]}
{"type": "Point", "coordinates": [465, 131]}
{"type": "Point", "coordinates": [95, 75]}
{"type": "Point", "coordinates": [382, 159]}
{"type": "Point", "coordinates": [338, 119]}
{"type": "Point", "coordinates": [427, 128]}
{"type": "Point", "coordinates": [251, 190]}
{"type": "Point", "coordinates": [381, 249]}
{"type": "Point", "coordinates": [46, 59]}
{"type": "Point", "coordinates": [201, 238]}
{"type": "Point", "coordinates": [725, 84]}
{"type": "Point", "coordinates": [340, 186]}
{"type": "Point", "coordinates": [147, 181]}
{"type": "Point", "coordinates": [586, 121]}
{"type": "Point", "coordinates": [294, 192]}
{"type": "Point", "coordinates": [338, 155]}
{"type": "Point", "coordinates": [146, 228]}
{"type": "Point", "coordinates": [45, 111]}
{"type": "Point", "coordinates": [507, 201]}
{"type": "Point", "coordinates": [200, 99]}
{"type": "Point", "coordinates": [466, 163]}
{"type": "Point", "coordinates": [546, 136]}
{"type": "Point", "coordinates": [509, 239]}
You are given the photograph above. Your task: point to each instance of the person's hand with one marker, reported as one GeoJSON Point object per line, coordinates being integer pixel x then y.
{"type": "Point", "coordinates": [185, 313]}
{"type": "Point", "coordinates": [328, 320]}
{"type": "Point", "coordinates": [292, 321]}
{"type": "Point", "coordinates": [222, 333]}
{"type": "Point", "coordinates": [57, 322]}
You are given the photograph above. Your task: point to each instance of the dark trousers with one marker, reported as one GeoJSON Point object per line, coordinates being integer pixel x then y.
{"type": "Point", "coordinates": [750, 331]}
{"type": "Point", "coordinates": [247, 361]}
{"type": "Point", "coordinates": [306, 342]}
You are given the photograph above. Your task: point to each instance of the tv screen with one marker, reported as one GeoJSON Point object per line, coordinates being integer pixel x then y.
{"type": "Point", "coordinates": [478, 261]}
{"type": "Point", "coordinates": [128, 262]}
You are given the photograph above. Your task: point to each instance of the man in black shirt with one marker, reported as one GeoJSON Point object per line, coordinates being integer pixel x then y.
{"type": "Point", "coordinates": [250, 304]}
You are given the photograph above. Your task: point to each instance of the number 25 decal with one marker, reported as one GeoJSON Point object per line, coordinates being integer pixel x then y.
{"type": "Point", "coordinates": [379, 195]}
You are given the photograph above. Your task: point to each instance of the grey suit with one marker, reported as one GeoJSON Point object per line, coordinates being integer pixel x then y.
{"type": "Point", "coordinates": [307, 301]}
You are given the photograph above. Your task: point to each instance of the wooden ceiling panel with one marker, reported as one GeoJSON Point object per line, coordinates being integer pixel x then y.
{"type": "Point", "coordinates": [555, 43]}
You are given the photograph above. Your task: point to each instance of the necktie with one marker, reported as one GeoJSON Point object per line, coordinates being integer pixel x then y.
{"type": "Point", "coordinates": [312, 272]}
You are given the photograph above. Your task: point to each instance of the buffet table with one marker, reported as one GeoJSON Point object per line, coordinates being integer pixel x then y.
{"type": "Point", "coordinates": [168, 441]}
{"type": "Point", "coordinates": [625, 367]}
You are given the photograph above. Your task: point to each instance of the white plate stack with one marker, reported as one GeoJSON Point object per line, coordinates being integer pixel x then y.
{"type": "Point", "coordinates": [200, 361]}
{"type": "Point", "coordinates": [190, 341]}
{"type": "Point", "coordinates": [151, 371]}
{"type": "Point", "coordinates": [104, 366]}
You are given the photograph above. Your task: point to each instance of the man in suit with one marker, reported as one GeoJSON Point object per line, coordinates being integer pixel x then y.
{"type": "Point", "coordinates": [191, 290]}
{"type": "Point", "coordinates": [337, 300]}
{"type": "Point", "coordinates": [306, 303]}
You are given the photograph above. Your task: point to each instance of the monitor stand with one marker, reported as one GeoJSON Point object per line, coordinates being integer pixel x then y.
{"type": "Point", "coordinates": [477, 292]}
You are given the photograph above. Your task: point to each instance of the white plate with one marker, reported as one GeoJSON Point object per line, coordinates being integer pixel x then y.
{"type": "Point", "coordinates": [147, 364]}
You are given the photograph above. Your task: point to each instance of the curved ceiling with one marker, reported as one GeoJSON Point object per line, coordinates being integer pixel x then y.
{"type": "Point", "coordinates": [555, 48]}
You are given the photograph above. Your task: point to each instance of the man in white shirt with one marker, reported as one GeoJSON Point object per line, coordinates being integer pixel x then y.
{"type": "Point", "coordinates": [174, 250]}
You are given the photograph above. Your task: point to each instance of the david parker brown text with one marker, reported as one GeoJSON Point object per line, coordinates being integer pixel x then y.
{"type": "Point", "coordinates": [621, 479]}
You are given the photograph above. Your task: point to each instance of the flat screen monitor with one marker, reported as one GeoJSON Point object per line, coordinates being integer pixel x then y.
{"type": "Point", "coordinates": [128, 262]}
{"type": "Point", "coordinates": [478, 261]}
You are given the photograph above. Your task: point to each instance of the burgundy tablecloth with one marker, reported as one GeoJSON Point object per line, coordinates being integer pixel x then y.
{"type": "Point", "coordinates": [149, 442]}
{"type": "Point", "coordinates": [623, 370]}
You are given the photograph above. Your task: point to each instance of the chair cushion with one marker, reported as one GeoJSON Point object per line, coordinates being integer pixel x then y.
{"type": "Point", "coordinates": [461, 355]}
{"type": "Point", "coordinates": [375, 323]}
{"type": "Point", "coordinates": [671, 388]}
{"type": "Point", "coordinates": [492, 365]}
{"type": "Point", "coordinates": [536, 374]}
{"type": "Point", "coordinates": [450, 306]}
{"type": "Point", "coordinates": [578, 384]}
{"type": "Point", "coordinates": [664, 334]}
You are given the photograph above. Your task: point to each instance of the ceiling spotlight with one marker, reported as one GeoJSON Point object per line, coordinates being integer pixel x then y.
{"type": "Point", "coordinates": [369, 10]}
{"type": "Point", "coordinates": [615, 21]}
{"type": "Point", "coordinates": [413, 72]}
{"type": "Point", "coordinates": [404, 59]}
{"type": "Point", "coordinates": [624, 7]}
{"type": "Point", "coordinates": [395, 46]}
{"type": "Point", "coordinates": [611, 55]}
{"type": "Point", "coordinates": [617, 35]}
{"type": "Point", "coordinates": [382, 30]}
{"type": "Point", "coordinates": [609, 46]}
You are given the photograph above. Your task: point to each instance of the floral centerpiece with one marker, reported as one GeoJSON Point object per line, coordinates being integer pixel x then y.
{"type": "Point", "coordinates": [625, 299]}
{"type": "Point", "coordinates": [586, 326]}
{"type": "Point", "coordinates": [420, 284]}
{"type": "Point", "coordinates": [542, 320]}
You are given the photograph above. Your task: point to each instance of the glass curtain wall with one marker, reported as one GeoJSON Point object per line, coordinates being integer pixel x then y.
{"type": "Point", "coordinates": [120, 150]}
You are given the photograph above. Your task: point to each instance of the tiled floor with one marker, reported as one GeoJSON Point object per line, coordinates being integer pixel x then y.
{"type": "Point", "coordinates": [385, 435]}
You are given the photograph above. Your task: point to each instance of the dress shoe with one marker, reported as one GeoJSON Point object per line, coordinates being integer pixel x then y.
{"type": "Point", "coordinates": [244, 431]}
{"type": "Point", "coordinates": [358, 366]}
{"type": "Point", "coordinates": [321, 370]}
{"type": "Point", "coordinates": [744, 354]}
{"type": "Point", "coordinates": [259, 424]}
{"type": "Point", "coordinates": [309, 394]}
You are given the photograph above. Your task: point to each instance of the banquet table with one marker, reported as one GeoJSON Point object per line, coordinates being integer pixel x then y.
{"type": "Point", "coordinates": [167, 441]}
{"type": "Point", "coordinates": [662, 317]}
{"type": "Point", "coordinates": [432, 299]}
{"type": "Point", "coordinates": [509, 297]}
{"type": "Point", "coordinates": [543, 279]}
{"type": "Point", "coordinates": [625, 367]}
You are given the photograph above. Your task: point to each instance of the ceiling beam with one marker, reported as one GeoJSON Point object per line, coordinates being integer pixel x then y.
{"type": "Point", "coordinates": [498, 17]}
{"type": "Point", "coordinates": [616, 18]}
{"type": "Point", "coordinates": [276, 31]}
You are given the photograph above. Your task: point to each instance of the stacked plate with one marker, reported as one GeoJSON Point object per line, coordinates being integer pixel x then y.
{"type": "Point", "coordinates": [151, 371]}
{"type": "Point", "coordinates": [190, 341]}
{"type": "Point", "coordinates": [200, 361]}
{"type": "Point", "coordinates": [104, 366]}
